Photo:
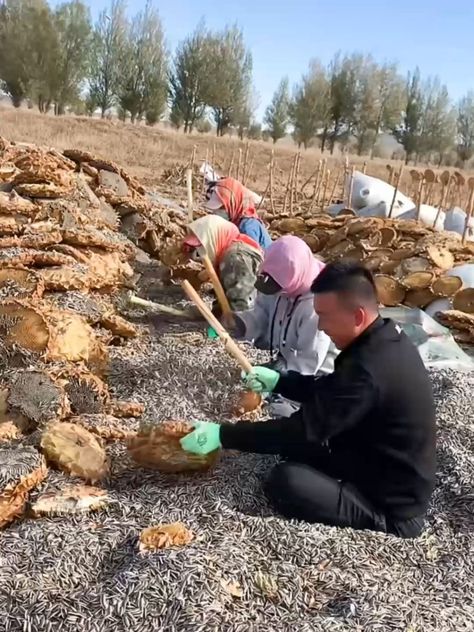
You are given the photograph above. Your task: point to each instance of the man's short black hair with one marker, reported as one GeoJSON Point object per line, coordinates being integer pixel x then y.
{"type": "Point", "coordinates": [348, 278]}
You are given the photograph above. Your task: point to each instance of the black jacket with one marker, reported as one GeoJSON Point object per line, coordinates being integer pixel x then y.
{"type": "Point", "coordinates": [372, 422]}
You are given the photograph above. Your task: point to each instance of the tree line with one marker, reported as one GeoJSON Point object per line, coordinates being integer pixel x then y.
{"type": "Point", "coordinates": [355, 99]}
{"type": "Point", "coordinates": [57, 58]}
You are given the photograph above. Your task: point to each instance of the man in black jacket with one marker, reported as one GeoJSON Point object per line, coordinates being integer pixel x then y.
{"type": "Point", "coordinates": [361, 450]}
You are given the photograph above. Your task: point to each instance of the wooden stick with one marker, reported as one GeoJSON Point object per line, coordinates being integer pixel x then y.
{"type": "Point", "coordinates": [193, 157]}
{"type": "Point", "coordinates": [314, 174]}
{"type": "Point", "coordinates": [322, 175]}
{"type": "Point", "coordinates": [229, 345]}
{"type": "Point", "coordinates": [336, 184]}
{"type": "Point", "coordinates": [395, 193]}
{"type": "Point", "coordinates": [351, 188]}
{"type": "Point", "coordinates": [218, 289]}
{"type": "Point", "coordinates": [288, 185]}
{"type": "Point", "coordinates": [346, 174]}
{"type": "Point", "coordinates": [443, 200]}
{"type": "Point", "coordinates": [420, 196]}
{"type": "Point", "coordinates": [156, 307]}
{"type": "Point", "coordinates": [364, 167]}
{"type": "Point", "coordinates": [246, 158]}
{"type": "Point", "coordinates": [249, 170]}
{"type": "Point", "coordinates": [231, 164]}
{"type": "Point", "coordinates": [297, 176]}
{"type": "Point", "coordinates": [328, 175]}
{"type": "Point", "coordinates": [204, 174]}
{"type": "Point", "coordinates": [153, 240]}
{"type": "Point", "coordinates": [214, 155]}
{"type": "Point", "coordinates": [468, 215]}
{"type": "Point", "coordinates": [189, 186]}
{"type": "Point", "coordinates": [293, 182]}
{"type": "Point", "coordinates": [239, 164]}
{"type": "Point", "coordinates": [269, 183]}
{"type": "Point", "coordinates": [272, 167]}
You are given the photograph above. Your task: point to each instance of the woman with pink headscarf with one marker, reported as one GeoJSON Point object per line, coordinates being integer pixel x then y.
{"type": "Point", "coordinates": [283, 319]}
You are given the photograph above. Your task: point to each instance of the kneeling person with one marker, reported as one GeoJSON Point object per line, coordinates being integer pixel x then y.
{"type": "Point", "coordinates": [361, 450]}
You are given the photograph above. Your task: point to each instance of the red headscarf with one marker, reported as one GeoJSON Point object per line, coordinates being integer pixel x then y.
{"type": "Point", "coordinates": [235, 199]}
{"type": "Point", "coordinates": [215, 235]}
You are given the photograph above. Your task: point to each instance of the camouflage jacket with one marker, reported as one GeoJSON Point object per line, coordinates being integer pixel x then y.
{"type": "Point", "coordinates": [238, 271]}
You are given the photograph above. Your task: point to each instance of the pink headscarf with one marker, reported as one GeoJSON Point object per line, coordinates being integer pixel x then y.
{"type": "Point", "coordinates": [290, 262]}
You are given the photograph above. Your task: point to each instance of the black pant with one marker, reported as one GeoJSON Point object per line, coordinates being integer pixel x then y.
{"type": "Point", "coordinates": [305, 493]}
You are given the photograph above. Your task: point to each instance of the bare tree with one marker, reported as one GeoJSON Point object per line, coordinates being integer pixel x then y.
{"type": "Point", "coordinates": [277, 114]}
{"type": "Point", "coordinates": [144, 84]}
{"type": "Point", "coordinates": [438, 122]}
{"type": "Point", "coordinates": [15, 68]}
{"type": "Point", "coordinates": [189, 78]}
{"type": "Point", "coordinates": [230, 71]}
{"type": "Point", "coordinates": [310, 106]}
{"type": "Point", "coordinates": [408, 131]}
{"type": "Point", "coordinates": [388, 98]}
{"type": "Point", "coordinates": [343, 81]}
{"type": "Point", "coordinates": [465, 128]}
{"type": "Point", "coordinates": [73, 28]}
{"type": "Point", "coordinates": [107, 56]}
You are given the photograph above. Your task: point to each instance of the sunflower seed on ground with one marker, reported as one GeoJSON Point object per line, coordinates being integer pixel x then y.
{"type": "Point", "coordinates": [84, 572]}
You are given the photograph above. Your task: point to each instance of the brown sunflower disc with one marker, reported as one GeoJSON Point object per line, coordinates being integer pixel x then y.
{"type": "Point", "coordinates": [415, 264]}
{"type": "Point", "coordinates": [389, 235]}
{"type": "Point", "coordinates": [358, 225]}
{"type": "Point", "coordinates": [430, 175]}
{"type": "Point", "coordinates": [447, 285]}
{"type": "Point", "coordinates": [159, 448]}
{"type": "Point", "coordinates": [418, 280]}
{"type": "Point", "coordinates": [373, 241]}
{"type": "Point", "coordinates": [337, 237]}
{"type": "Point", "coordinates": [355, 254]}
{"type": "Point", "coordinates": [441, 257]}
{"type": "Point", "coordinates": [373, 263]}
{"type": "Point", "coordinates": [419, 298]}
{"type": "Point", "coordinates": [390, 291]}
{"type": "Point", "coordinates": [322, 235]}
{"type": "Point", "coordinates": [460, 179]}
{"type": "Point", "coordinates": [339, 249]}
{"type": "Point", "coordinates": [24, 326]}
{"type": "Point", "coordinates": [385, 253]}
{"type": "Point", "coordinates": [388, 267]}
{"type": "Point", "coordinates": [455, 318]}
{"type": "Point", "coordinates": [445, 177]}
{"type": "Point", "coordinates": [464, 337]}
{"type": "Point", "coordinates": [312, 241]}
{"type": "Point", "coordinates": [464, 301]}
{"type": "Point", "coordinates": [402, 253]}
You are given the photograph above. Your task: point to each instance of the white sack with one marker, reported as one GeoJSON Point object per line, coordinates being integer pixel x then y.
{"type": "Point", "coordinates": [370, 192]}
{"type": "Point", "coordinates": [427, 216]}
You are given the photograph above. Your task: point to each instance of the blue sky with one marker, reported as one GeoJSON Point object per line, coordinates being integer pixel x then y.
{"type": "Point", "coordinates": [436, 35]}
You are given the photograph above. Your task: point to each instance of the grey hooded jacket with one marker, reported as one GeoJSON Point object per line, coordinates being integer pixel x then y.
{"type": "Point", "coordinates": [288, 327]}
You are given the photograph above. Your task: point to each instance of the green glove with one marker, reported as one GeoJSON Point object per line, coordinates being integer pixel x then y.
{"type": "Point", "coordinates": [203, 439]}
{"type": "Point", "coordinates": [261, 380]}
{"type": "Point", "coordinates": [211, 333]}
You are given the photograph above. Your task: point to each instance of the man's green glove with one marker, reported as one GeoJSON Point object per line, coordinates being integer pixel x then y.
{"type": "Point", "coordinates": [203, 439]}
{"type": "Point", "coordinates": [261, 380]}
{"type": "Point", "coordinates": [212, 333]}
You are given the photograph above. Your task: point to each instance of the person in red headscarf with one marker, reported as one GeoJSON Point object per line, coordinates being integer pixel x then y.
{"type": "Point", "coordinates": [235, 257]}
{"type": "Point", "coordinates": [232, 201]}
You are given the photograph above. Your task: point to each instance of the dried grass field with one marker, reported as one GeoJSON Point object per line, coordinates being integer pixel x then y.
{"type": "Point", "coordinates": [148, 152]}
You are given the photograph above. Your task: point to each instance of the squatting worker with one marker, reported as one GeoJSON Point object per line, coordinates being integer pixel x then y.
{"type": "Point", "coordinates": [229, 199]}
{"type": "Point", "coordinates": [235, 257]}
{"type": "Point", "coordinates": [361, 450]}
{"type": "Point", "coordinates": [283, 319]}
